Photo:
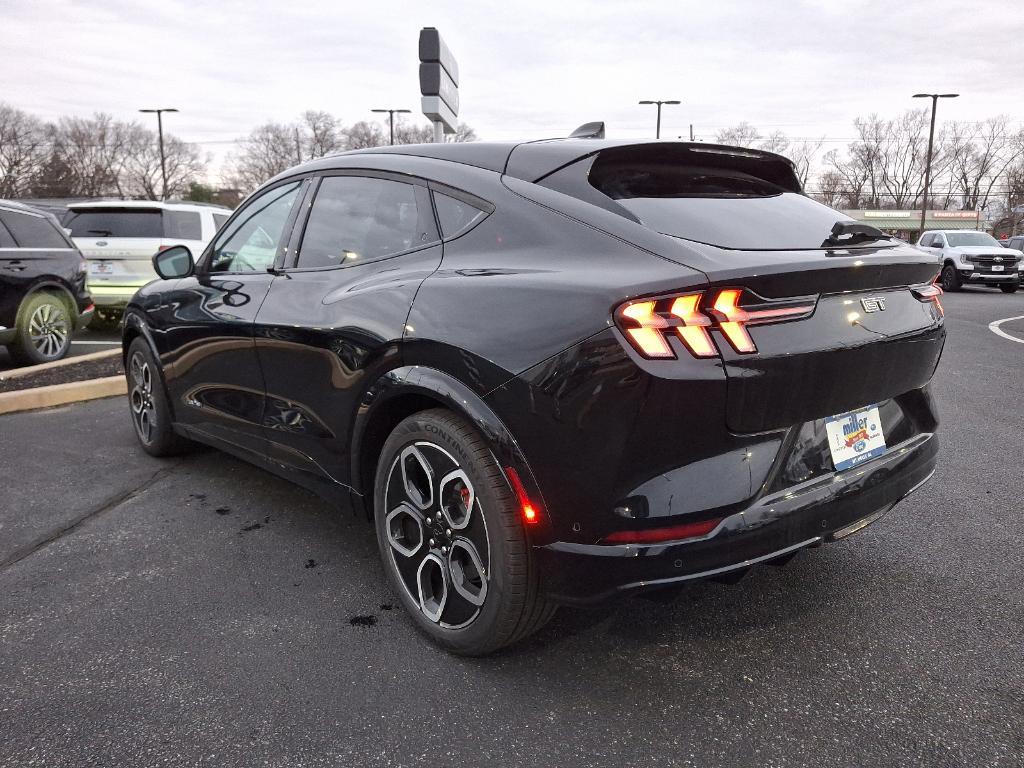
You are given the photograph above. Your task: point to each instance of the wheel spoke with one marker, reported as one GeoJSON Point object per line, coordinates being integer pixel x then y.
{"type": "Point", "coordinates": [432, 585]}
{"type": "Point", "coordinates": [457, 499]}
{"type": "Point", "coordinates": [468, 575]}
{"type": "Point", "coordinates": [404, 526]}
{"type": "Point", "coordinates": [417, 478]}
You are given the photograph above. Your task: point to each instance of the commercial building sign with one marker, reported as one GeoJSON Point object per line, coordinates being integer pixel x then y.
{"type": "Point", "coordinates": [439, 80]}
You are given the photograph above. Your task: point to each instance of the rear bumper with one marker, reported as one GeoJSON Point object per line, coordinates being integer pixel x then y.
{"type": "Point", "coordinates": [775, 525]}
{"type": "Point", "coordinates": [112, 296]}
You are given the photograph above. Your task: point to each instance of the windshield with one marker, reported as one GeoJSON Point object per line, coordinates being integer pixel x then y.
{"type": "Point", "coordinates": [984, 239]}
{"type": "Point", "coordinates": [114, 222]}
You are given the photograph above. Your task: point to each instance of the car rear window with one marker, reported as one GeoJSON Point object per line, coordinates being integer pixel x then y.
{"type": "Point", "coordinates": [713, 200]}
{"type": "Point", "coordinates": [31, 231]}
{"type": "Point", "coordinates": [115, 222]}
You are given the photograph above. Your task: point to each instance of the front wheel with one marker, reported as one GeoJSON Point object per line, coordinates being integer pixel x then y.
{"type": "Point", "coordinates": [451, 538]}
{"type": "Point", "coordinates": [950, 278]}
{"type": "Point", "coordinates": [1009, 288]}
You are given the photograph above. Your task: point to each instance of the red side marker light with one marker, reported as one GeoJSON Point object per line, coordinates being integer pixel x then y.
{"type": "Point", "coordinates": [526, 508]}
{"type": "Point", "coordinates": [660, 535]}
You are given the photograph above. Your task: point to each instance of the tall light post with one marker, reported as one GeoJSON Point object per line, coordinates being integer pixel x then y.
{"type": "Point", "coordinates": [931, 137]}
{"type": "Point", "coordinates": [391, 119]}
{"type": "Point", "coordinates": [657, 134]}
{"type": "Point", "coordinates": [160, 131]}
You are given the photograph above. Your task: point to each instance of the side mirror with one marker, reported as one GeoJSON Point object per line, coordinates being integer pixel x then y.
{"type": "Point", "coordinates": [936, 244]}
{"type": "Point", "coordinates": [174, 262]}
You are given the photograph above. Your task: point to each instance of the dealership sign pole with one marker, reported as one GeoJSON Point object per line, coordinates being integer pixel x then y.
{"type": "Point", "coordinates": [439, 83]}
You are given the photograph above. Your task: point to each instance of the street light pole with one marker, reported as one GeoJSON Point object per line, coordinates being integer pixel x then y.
{"type": "Point", "coordinates": [931, 138]}
{"type": "Point", "coordinates": [160, 132]}
{"type": "Point", "coordinates": [657, 134]}
{"type": "Point", "coordinates": [391, 119]}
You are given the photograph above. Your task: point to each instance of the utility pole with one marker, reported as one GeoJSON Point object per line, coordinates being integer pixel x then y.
{"type": "Point", "coordinates": [298, 146]}
{"type": "Point", "coordinates": [657, 134]}
{"type": "Point", "coordinates": [691, 132]}
{"type": "Point", "coordinates": [391, 119]}
{"type": "Point", "coordinates": [931, 138]}
{"type": "Point", "coordinates": [160, 133]}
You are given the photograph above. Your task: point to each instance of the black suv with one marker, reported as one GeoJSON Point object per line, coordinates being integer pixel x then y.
{"type": "Point", "coordinates": [43, 299]}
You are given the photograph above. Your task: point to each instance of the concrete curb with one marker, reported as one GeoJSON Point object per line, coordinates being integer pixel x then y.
{"type": "Point", "coordinates": [61, 394]}
{"type": "Point", "coordinates": [20, 373]}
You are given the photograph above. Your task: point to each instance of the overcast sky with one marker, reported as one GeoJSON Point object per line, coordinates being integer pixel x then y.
{"type": "Point", "coordinates": [528, 70]}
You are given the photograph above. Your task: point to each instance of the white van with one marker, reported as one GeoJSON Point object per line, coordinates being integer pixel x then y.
{"type": "Point", "coordinates": [119, 238]}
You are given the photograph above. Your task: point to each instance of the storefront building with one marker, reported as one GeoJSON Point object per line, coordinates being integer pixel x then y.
{"type": "Point", "coordinates": [907, 224]}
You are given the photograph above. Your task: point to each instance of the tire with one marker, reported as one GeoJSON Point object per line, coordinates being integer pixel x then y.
{"type": "Point", "coordinates": [147, 403]}
{"type": "Point", "coordinates": [470, 583]}
{"type": "Point", "coordinates": [44, 327]}
{"type": "Point", "coordinates": [950, 278]}
{"type": "Point", "coordinates": [1009, 288]}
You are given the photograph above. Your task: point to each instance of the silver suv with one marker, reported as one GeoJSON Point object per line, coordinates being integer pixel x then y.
{"type": "Point", "coordinates": [119, 239]}
{"type": "Point", "coordinates": [974, 257]}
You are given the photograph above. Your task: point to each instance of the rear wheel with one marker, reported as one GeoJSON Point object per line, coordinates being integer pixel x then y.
{"type": "Point", "coordinates": [1012, 288]}
{"type": "Point", "coordinates": [147, 400]}
{"type": "Point", "coordinates": [451, 538]}
{"type": "Point", "coordinates": [950, 278]}
{"type": "Point", "coordinates": [44, 329]}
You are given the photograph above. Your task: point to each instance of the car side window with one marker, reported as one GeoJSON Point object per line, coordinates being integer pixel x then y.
{"type": "Point", "coordinates": [453, 215]}
{"type": "Point", "coordinates": [926, 240]}
{"type": "Point", "coordinates": [6, 241]}
{"type": "Point", "coordinates": [251, 243]}
{"type": "Point", "coordinates": [219, 220]}
{"type": "Point", "coordinates": [356, 219]}
{"type": "Point", "coordinates": [185, 225]}
{"type": "Point", "coordinates": [939, 241]}
{"type": "Point", "coordinates": [31, 231]}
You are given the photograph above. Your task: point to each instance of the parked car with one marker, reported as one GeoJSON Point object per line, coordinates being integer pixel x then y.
{"type": "Point", "coordinates": [1016, 243]}
{"type": "Point", "coordinates": [974, 257]}
{"type": "Point", "coordinates": [551, 372]}
{"type": "Point", "coordinates": [119, 239]}
{"type": "Point", "coordinates": [43, 298]}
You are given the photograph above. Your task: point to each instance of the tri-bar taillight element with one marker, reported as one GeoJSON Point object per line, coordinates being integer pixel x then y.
{"type": "Point", "coordinates": [647, 323]}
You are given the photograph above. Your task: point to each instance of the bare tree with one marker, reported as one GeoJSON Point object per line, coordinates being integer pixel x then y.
{"type": "Point", "coordinates": [409, 133]}
{"type": "Point", "coordinates": [322, 134]}
{"type": "Point", "coordinates": [93, 151]}
{"type": "Point", "coordinates": [23, 150]}
{"type": "Point", "coordinates": [462, 134]}
{"type": "Point", "coordinates": [981, 154]}
{"type": "Point", "coordinates": [831, 189]}
{"type": "Point", "coordinates": [264, 153]}
{"type": "Point", "coordinates": [742, 135]}
{"type": "Point", "coordinates": [364, 134]}
{"type": "Point", "coordinates": [142, 175]}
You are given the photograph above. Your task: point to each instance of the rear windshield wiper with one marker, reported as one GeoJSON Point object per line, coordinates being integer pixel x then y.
{"type": "Point", "coordinates": [846, 233]}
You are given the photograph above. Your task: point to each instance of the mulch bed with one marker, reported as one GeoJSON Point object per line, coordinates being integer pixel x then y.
{"type": "Point", "coordinates": [89, 369]}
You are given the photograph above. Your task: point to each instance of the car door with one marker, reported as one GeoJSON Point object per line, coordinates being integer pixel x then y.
{"type": "Point", "coordinates": [205, 323]}
{"type": "Point", "coordinates": [333, 323]}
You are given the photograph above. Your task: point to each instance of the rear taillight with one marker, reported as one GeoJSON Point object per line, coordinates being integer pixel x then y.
{"type": "Point", "coordinates": [930, 292]}
{"type": "Point", "coordinates": [649, 323]}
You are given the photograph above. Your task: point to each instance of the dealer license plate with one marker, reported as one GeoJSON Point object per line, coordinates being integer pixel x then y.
{"type": "Point", "coordinates": [855, 437]}
{"type": "Point", "coordinates": [997, 267]}
{"type": "Point", "coordinates": [101, 268]}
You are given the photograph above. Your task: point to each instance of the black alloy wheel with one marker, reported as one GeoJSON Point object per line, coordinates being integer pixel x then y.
{"type": "Point", "coordinates": [150, 413]}
{"type": "Point", "coordinates": [451, 538]}
{"type": "Point", "coordinates": [950, 278]}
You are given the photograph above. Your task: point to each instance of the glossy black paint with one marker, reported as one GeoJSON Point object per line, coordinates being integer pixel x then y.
{"type": "Point", "coordinates": [25, 269]}
{"type": "Point", "coordinates": [305, 371]}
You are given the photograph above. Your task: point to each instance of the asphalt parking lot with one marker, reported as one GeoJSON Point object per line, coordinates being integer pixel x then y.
{"type": "Point", "coordinates": [197, 611]}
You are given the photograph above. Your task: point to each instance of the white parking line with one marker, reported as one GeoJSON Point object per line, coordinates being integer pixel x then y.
{"type": "Point", "coordinates": [95, 342]}
{"type": "Point", "coordinates": [994, 327]}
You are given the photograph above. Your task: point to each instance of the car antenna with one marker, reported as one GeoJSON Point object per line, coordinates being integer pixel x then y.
{"type": "Point", "coordinates": [589, 131]}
